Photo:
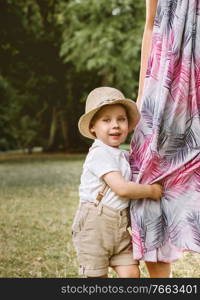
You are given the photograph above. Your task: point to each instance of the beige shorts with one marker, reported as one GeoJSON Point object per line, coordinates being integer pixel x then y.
{"type": "Point", "coordinates": [101, 239]}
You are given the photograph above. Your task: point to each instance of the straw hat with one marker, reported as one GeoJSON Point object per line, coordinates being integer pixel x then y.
{"type": "Point", "coordinates": [100, 97]}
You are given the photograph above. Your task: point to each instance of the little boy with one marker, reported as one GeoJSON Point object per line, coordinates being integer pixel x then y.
{"type": "Point", "coordinates": [100, 227]}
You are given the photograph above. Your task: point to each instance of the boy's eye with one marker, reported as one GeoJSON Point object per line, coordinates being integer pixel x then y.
{"type": "Point", "coordinates": [106, 120]}
{"type": "Point", "coordinates": [122, 119]}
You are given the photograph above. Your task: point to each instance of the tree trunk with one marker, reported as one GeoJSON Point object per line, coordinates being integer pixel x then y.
{"type": "Point", "coordinates": [53, 128]}
{"type": "Point", "coordinates": [65, 131]}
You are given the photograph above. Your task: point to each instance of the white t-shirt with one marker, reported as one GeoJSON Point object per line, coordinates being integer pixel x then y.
{"type": "Point", "coordinates": [100, 160]}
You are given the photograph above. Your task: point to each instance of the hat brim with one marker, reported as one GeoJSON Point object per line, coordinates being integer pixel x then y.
{"type": "Point", "coordinates": [132, 111]}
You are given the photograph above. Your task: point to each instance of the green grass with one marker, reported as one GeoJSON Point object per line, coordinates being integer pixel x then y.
{"type": "Point", "coordinates": [38, 199]}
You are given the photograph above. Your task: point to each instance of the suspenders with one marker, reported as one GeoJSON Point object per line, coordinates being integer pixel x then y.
{"type": "Point", "coordinates": [101, 194]}
{"type": "Point", "coordinates": [104, 189]}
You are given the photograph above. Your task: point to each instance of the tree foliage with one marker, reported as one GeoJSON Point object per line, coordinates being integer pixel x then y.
{"type": "Point", "coordinates": [105, 37]}
{"type": "Point", "coordinates": [52, 53]}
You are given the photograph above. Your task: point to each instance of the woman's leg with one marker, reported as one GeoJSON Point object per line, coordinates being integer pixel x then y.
{"type": "Point", "coordinates": [131, 271]}
{"type": "Point", "coordinates": [158, 269]}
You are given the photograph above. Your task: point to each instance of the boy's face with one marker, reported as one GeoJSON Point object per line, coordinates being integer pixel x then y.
{"type": "Point", "coordinates": [111, 125]}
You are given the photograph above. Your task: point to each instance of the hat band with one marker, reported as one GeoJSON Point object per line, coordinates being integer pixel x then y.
{"type": "Point", "coordinates": [106, 101]}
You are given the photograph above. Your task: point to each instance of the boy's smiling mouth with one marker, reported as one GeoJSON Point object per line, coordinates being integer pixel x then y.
{"type": "Point", "coordinates": [115, 134]}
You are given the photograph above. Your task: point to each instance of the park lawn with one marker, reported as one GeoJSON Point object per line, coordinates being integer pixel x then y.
{"type": "Point", "coordinates": [38, 199]}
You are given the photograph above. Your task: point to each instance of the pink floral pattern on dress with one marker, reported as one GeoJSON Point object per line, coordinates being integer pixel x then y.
{"type": "Point", "coordinates": [166, 143]}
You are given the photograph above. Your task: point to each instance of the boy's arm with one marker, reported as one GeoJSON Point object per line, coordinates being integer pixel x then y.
{"type": "Point", "coordinates": [129, 189]}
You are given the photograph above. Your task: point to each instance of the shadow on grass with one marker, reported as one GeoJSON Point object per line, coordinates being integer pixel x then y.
{"type": "Point", "coordinates": [39, 157]}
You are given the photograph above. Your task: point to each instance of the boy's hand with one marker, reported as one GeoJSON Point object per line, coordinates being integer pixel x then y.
{"type": "Point", "coordinates": [156, 191]}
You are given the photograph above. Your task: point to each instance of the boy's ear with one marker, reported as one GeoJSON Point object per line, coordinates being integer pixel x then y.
{"type": "Point", "coordinates": [92, 129]}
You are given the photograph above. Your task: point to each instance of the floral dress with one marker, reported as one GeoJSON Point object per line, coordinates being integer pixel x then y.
{"type": "Point", "coordinates": [166, 143]}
